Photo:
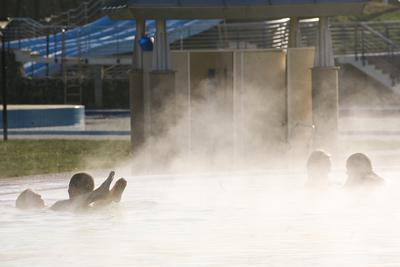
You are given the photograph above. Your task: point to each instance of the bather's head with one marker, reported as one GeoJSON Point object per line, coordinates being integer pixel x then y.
{"type": "Point", "coordinates": [80, 183]}
{"type": "Point", "coordinates": [318, 165]}
{"type": "Point", "coordinates": [29, 200]}
{"type": "Point", "coordinates": [358, 166]}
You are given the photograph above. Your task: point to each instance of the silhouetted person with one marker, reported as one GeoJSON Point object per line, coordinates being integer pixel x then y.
{"type": "Point", "coordinates": [80, 186]}
{"type": "Point", "coordinates": [29, 200]}
{"type": "Point", "coordinates": [81, 194]}
{"type": "Point", "coordinates": [318, 169]}
{"type": "Point", "coordinates": [360, 172]}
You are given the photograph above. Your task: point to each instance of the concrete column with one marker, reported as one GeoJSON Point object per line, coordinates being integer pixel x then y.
{"type": "Point", "coordinates": [163, 102]}
{"type": "Point", "coordinates": [137, 108]}
{"type": "Point", "coordinates": [162, 98]}
{"type": "Point", "coordinates": [294, 33]}
{"type": "Point", "coordinates": [325, 91]}
{"type": "Point", "coordinates": [98, 85]}
{"type": "Point", "coordinates": [137, 91]}
{"type": "Point", "coordinates": [325, 98]}
{"type": "Point", "coordinates": [161, 55]}
{"type": "Point", "coordinates": [162, 83]}
{"type": "Point", "coordinates": [324, 51]}
{"type": "Point", "coordinates": [137, 50]}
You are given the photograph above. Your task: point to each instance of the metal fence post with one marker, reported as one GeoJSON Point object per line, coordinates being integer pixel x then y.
{"type": "Point", "coordinates": [85, 7]}
{"type": "Point", "coordinates": [4, 85]}
{"type": "Point", "coordinates": [63, 72]}
{"type": "Point", "coordinates": [181, 38]}
{"type": "Point", "coordinates": [356, 42]}
{"type": "Point", "coordinates": [392, 62]}
{"type": "Point", "coordinates": [47, 51]}
{"type": "Point", "coordinates": [363, 47]}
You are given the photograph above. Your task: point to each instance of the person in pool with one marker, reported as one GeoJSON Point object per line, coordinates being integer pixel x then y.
{"type": "Point", "coordinates": [318, 169]}
{"type": "Point", "coordinates": [29, 200]}
{"type": "Point", "coordinates": [360, 172]}
{"type": "Point", "coordinates": [81, 194]}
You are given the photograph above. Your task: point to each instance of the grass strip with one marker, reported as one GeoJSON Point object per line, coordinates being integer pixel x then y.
{"type": "Point", "coordinates": [30, 157]}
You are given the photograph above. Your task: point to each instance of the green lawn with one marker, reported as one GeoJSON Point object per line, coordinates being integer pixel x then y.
{"type": "Point", "coordinates": [29, 157]}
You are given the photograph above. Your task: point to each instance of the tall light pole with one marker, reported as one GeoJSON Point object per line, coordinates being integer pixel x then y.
{"type": "Point", "coordinates": [3, 25]}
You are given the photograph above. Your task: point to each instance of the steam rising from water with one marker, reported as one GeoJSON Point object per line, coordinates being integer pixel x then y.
{"type": "Point", "coordinates": [212, 133]}
{"type": "Point", "coordinates": [240, 214]}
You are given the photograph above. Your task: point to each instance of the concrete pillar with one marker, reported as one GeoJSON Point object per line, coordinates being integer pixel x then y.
{"type": "Point", "coordinates": [161, 55]}
{"type": "Point", "coordinates": [137, 103]}
{"type": "Point", "coordinates": [98, 85]}
{"type": "Point", "coordinates": [294, 33]}
{"type": "Point", "coordinates": [137, 91]}
{"type": "Point", "coordinates": [324, 51]}
{"type": "Point", "coordinates": [325, 101]}
{"type": "Point", "coordinates": [162, 98]}
{"type": "Point", "coordinates": [163, 102]}
{"type": "Point", "coordinates": [325, 90]}
{"type": "Point", "coordinates": [162, 83]}
{"type": "Point", "coordinates": [137, 50]}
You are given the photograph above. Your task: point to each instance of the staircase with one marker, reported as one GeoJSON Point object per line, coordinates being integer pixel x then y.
{"type": "Point", "coordinates": [372, 70]}
{"type": "Point", "coordinates": [367, 48]}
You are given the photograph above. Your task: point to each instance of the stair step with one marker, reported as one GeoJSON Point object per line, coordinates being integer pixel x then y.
{"type": "Point", "coordinates": [371, 70]}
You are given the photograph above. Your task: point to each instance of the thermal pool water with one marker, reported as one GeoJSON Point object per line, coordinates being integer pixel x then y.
{"type": "Point", "coordinates": [252, 219]}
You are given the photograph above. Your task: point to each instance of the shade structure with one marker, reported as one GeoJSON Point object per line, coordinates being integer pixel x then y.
{"type": "Point", "coordinates": [231, 9]}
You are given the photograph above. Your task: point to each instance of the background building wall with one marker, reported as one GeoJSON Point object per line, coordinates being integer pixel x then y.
{"type": "Point", "coordinates": [237, 102]}
{"type": "Point", "coordinates": [262, 79]}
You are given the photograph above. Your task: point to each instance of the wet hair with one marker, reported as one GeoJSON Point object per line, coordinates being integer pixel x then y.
{"type": "Point", "coordinates": [28, 200]}
{"type": "Point", "coordinates": [359, 161]}
{"type": "Point", "coordinates": [83, 182]}
{"type": "Point", "coordinates": [319, 159]}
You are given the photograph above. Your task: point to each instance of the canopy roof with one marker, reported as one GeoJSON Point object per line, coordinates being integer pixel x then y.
{"type": "Point", "coordinates": [231, 9]}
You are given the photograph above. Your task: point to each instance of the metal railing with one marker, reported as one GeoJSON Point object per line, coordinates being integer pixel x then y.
{"type": "Point", "coordinates": [268, 34]}
{"type": "Point", "coordinates": [42, 55]}
{"type": "Point", "coordinates": [369, 42]}
{"type": "Point", "coordinates": [21, 28]}
{"type": "Point", "coordinates": [348, 38]}
{"type": "Point", "coordinates": [83, 14]}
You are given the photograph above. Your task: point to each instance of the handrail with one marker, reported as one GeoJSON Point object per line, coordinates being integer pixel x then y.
{"type": "Point", "coordinates": [369, 40]}
{"type": "Point", "coordinates": [82, 14]}
{"type": "Point", "coordinates": [357, 39]}
{"type": "Point", "coordinates": [381, 36]}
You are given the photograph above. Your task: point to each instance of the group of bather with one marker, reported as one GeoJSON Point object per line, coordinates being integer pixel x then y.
{"type": "Point", "coordinates": [360, 174]}
{"type": "Point", "coordinates": [82, 195]}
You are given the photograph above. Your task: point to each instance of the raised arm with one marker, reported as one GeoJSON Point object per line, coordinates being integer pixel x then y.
{"type": "Point", "coordinates": [102, 192]}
